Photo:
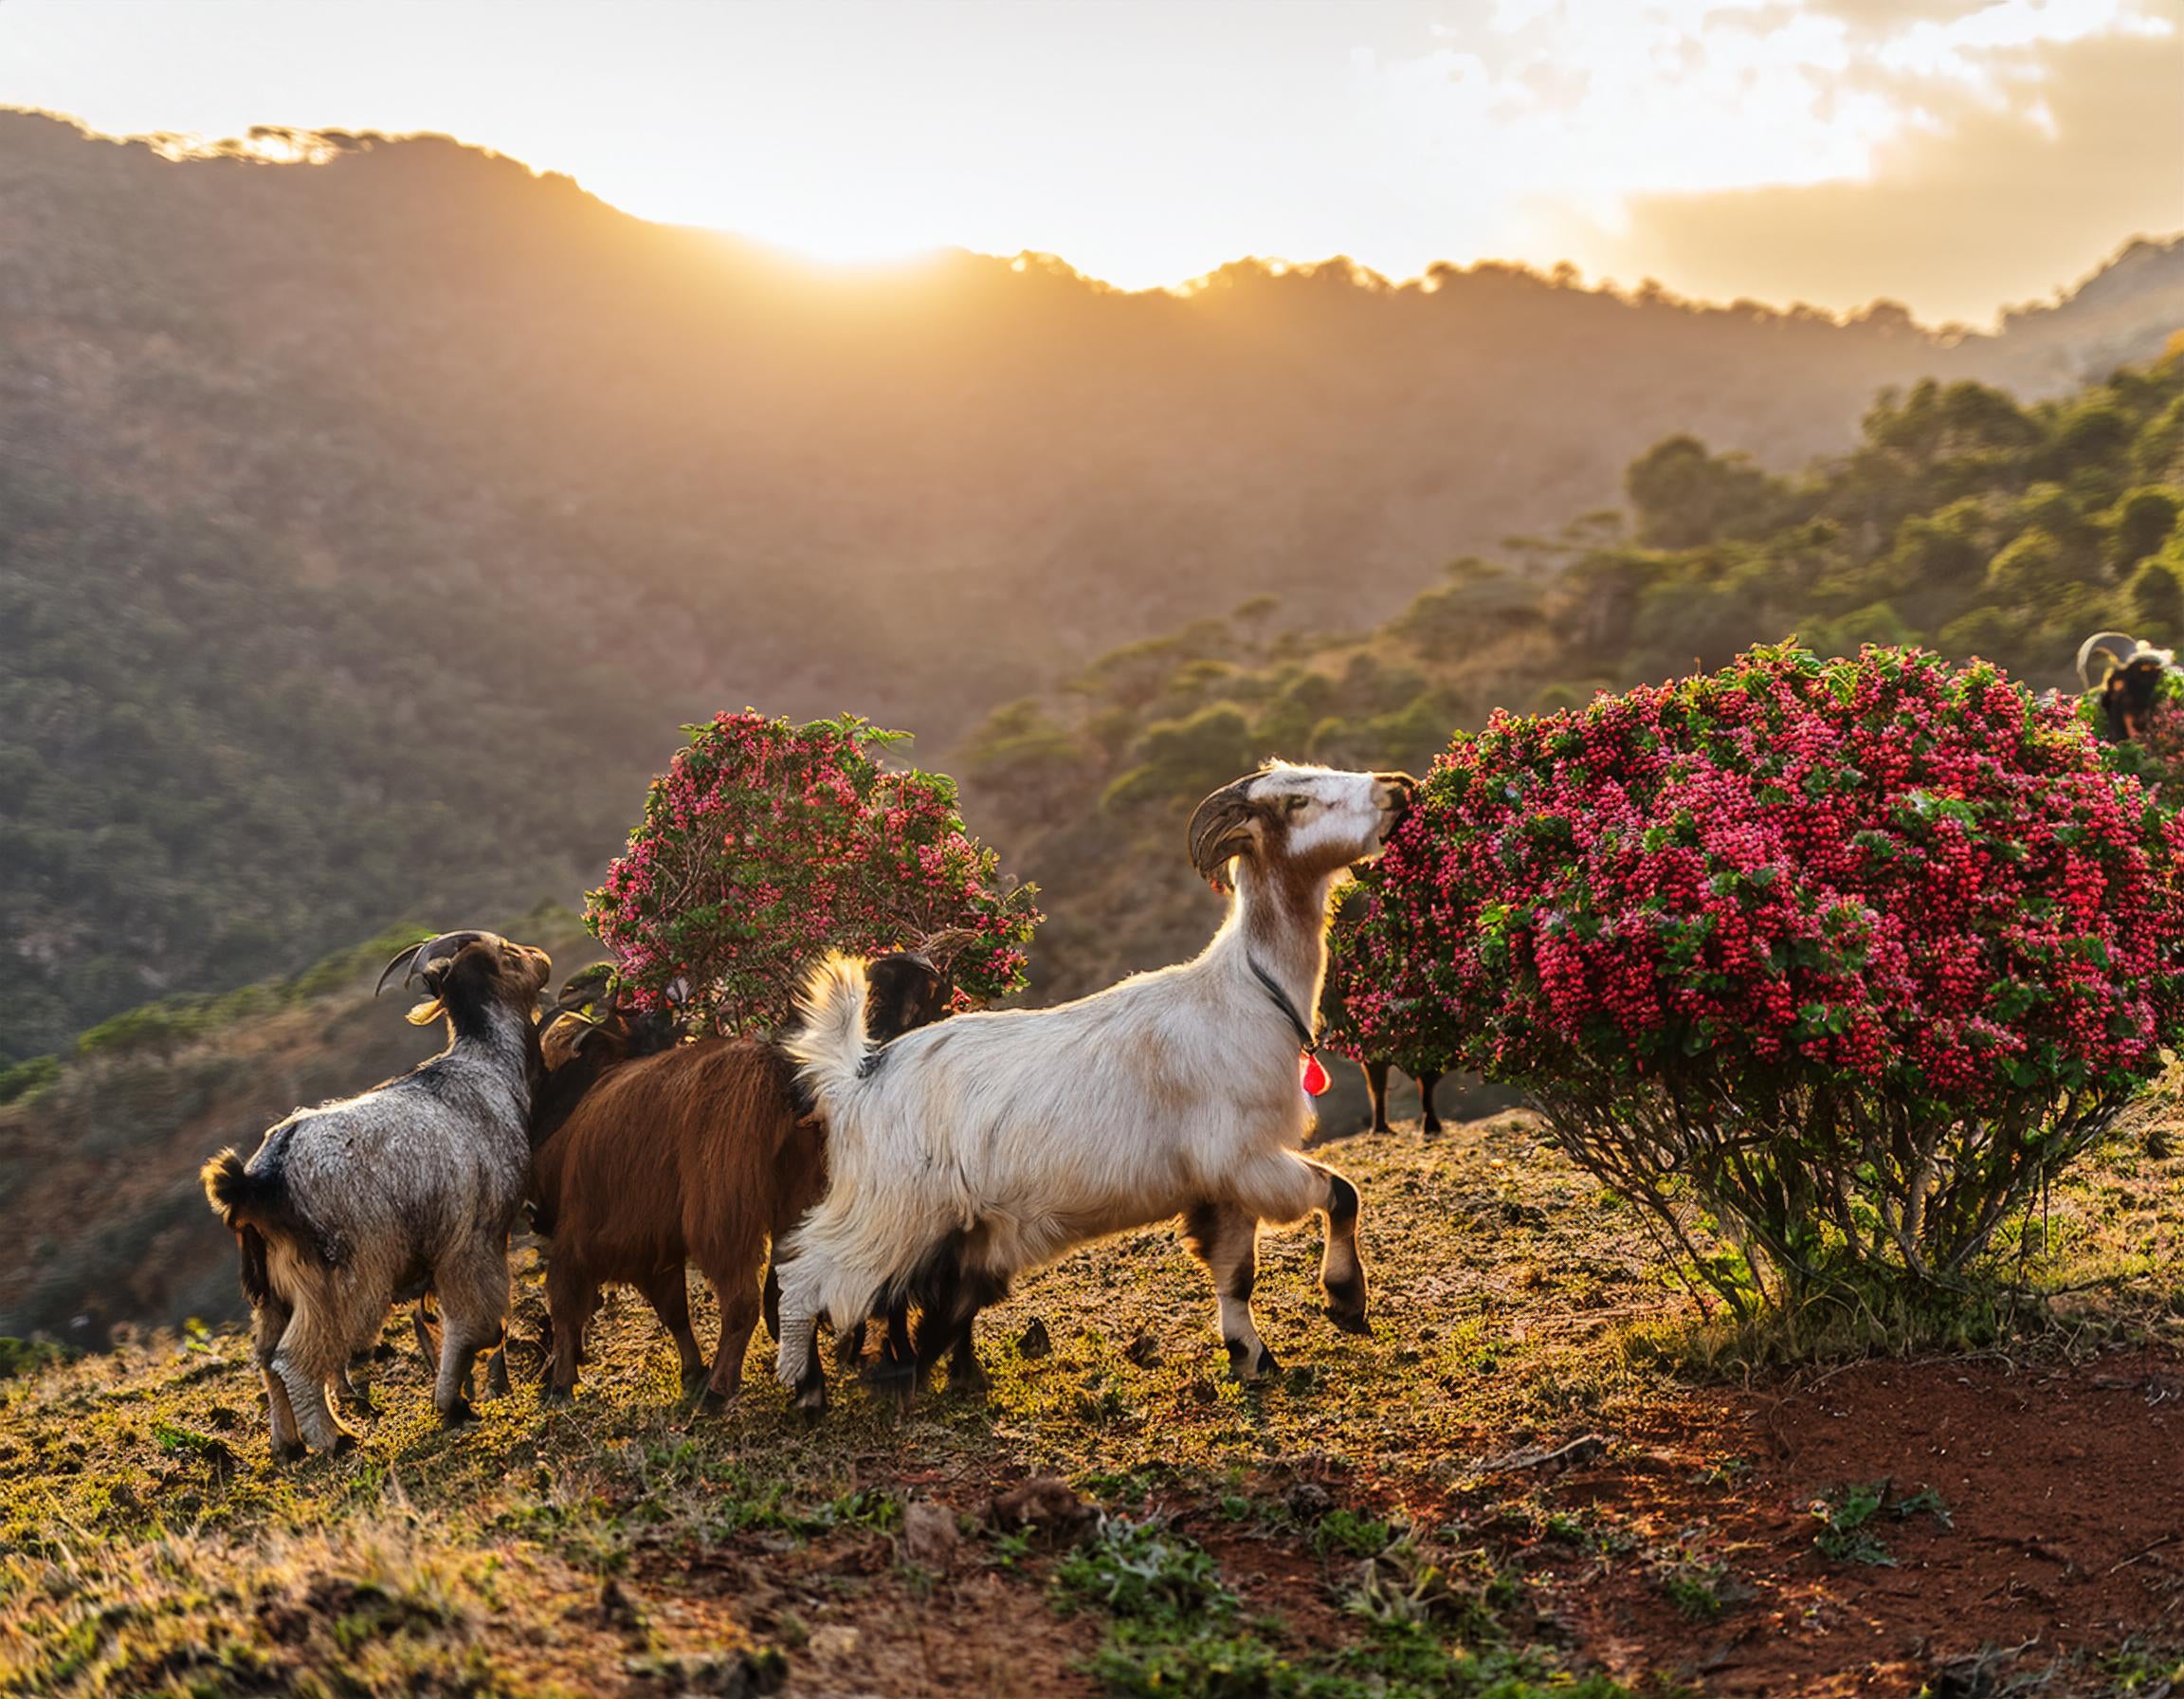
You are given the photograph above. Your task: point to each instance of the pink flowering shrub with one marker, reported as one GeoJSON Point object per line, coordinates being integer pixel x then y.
{"type": "Point", "coordinates": [1851, 955]}
{"type": "Point", "coordinates": [766, 844]}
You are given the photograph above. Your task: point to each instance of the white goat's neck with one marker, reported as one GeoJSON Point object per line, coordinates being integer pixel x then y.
{"type": "Point", "coordinates": [1278, 919]}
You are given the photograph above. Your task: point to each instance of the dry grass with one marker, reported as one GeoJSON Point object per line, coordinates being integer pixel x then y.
{"type": "Point", "coordinates": [149, 1545]}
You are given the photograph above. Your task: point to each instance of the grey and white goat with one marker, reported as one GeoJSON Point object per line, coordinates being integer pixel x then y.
{"type": "Point", "coordinates": [349, 1207]}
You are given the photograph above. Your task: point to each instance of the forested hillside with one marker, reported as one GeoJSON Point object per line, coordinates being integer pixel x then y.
{"type": "Point", "coordinates": [1961, 520]}
{"type": "Point", "coordinates": [369, 523]}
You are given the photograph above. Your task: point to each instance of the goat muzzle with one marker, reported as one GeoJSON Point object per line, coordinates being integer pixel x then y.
{"type": "Point", "coordinates": [1402, 795]}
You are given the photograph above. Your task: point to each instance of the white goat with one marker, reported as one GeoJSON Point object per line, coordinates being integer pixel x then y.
{"type": "Point", "coordinates": [963, 1153]}
{"type": "Point", "coordinates": [348, 1206]}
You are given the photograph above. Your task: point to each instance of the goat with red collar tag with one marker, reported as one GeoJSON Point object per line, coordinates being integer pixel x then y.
{"type": "Point", "coordinates": [997, 1142]}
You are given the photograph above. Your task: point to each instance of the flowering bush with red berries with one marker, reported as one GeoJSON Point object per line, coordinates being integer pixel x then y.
{"type": "Point", "coordinates": [766, 844]}
{"type": "Point", "coordinates": [1853, 956]}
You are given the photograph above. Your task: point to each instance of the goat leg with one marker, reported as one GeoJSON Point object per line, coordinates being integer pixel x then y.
{"type": "Point", "coordinates": [354, 1387]}
{"type": "Point", "coordinates": [668, 1291]}
{"type": "Point", "coordinates": [1376, 1088]}
{"type": "Point", "coordinates": [1226, 1238]}
{"type": "Point", "coordinates": [1430, 1123]}
{"type": "Point", "coordinates": [1341, 1268]}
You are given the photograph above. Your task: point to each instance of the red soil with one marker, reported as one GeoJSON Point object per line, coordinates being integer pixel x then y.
{"type": "Point", "coordinates": [2063, 1484]}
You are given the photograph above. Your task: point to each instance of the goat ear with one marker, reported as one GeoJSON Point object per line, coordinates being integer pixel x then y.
{"type": "Point", "coordinates": [424, 1013]}
{"type": "Point", "coordinates": [1221, 830]}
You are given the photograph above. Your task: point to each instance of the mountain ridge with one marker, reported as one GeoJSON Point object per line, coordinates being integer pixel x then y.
{"type": "Point", "coordinates": [373, 523]}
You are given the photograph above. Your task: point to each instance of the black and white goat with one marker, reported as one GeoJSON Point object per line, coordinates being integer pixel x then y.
{"type": "Point", "coordinates": [348, 1206]}
{"type": "Point", "coordinates": [966, 1152]}
{"type": "Point", "coordinates": [2130, 680]}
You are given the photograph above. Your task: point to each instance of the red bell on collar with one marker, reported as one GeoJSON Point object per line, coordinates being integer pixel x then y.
{"type": "Point", "coordinates": [1315, 1075]}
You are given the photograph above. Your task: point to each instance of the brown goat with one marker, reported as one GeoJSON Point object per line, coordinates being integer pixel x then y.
{"type": "Point", "coordinates": [703, 1153]}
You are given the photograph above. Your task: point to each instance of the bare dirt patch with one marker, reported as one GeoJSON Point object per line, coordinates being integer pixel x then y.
{"type": "Point", "coordinates": [2060, 1532]}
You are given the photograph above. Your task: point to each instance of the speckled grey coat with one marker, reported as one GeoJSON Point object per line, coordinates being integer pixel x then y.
{"type": "Point", "coordinates": [356, 1204]}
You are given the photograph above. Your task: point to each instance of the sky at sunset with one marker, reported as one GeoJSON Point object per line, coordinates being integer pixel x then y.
{"type": "Point", "coordinates": [1954, 155]}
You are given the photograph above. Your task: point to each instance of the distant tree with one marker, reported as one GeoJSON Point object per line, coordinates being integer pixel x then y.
{"type": "Point", "coordinates": [2142, 523]}
{"type": "Point", "coordinates": [1686, 497]}
{"type": "Point", "coordinates": [2156, 594]}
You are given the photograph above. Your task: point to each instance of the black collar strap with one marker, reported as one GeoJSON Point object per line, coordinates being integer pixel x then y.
{"type": "Point", "coordinates": [1281, 1002]}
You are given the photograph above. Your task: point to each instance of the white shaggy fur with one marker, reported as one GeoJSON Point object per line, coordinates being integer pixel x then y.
{"type": "Point", "coordinates": [1027, 1133]}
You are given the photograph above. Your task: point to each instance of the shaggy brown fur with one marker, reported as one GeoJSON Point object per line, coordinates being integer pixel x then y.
{"type": "Point", "coordinates": [691, 1155]}
{"type": "Point", "coordinates": [704, 1153]}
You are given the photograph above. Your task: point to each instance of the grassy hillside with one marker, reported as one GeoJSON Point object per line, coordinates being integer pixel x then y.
{"type": "Point", "coordinates": [369, 523]}
{"type": "Point", "coordinates": [1960, 519]}
{"type": "Point", "coordinates": [100, 1152]}
{"type": "Point", "coordinates": [1535, 1469]}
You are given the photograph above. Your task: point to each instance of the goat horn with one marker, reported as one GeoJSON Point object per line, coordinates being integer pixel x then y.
{"type": "Point", "coordinates": [2099, 640]}
{"type": "Point", "coordinates": [943, 946]}
{"type": "Point", "coordinates": [420, 956]}
{"type": "Point", "coordinates": [406, 953]}
{"type": "Point", "coordinates": [1213, 824]}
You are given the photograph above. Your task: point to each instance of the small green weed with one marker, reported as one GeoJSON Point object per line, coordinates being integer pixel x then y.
{"type": "Point", "coordinates": [1695, 1589]}
{"type": "Point", "coordinates": [1843, 1515]}
{"type": "Point", "coordinates": [1346, 1531]}
{"type": "Point", "coordinates": [1144, 1570]}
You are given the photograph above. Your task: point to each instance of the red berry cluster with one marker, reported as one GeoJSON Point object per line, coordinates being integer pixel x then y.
{"type": "Point", "coordinates": [766, 844]}
{"type": "Point", "coordinates": [1891, 872]}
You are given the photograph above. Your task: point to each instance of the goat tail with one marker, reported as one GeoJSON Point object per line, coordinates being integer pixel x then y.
{"type": "Point", "coordinates": [241, 1198]}
{"type": "Point", "coordinates": [247, 1203]}
{"type": "Point", "coordinates": [255, 1206]}
{"type": "Point", "coordinates": [830, 1047]}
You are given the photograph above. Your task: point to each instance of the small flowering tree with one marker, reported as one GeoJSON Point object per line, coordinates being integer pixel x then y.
{"type": "Point", "coordinates": [1853, 956]}
{"type": "Point", "coordinates": [766, 844]}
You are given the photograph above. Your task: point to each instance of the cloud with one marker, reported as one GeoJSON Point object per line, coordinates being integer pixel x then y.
{"type": "Point", "coordinates": [2007, 185]}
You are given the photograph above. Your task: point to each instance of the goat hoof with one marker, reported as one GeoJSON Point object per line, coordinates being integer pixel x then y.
{"type": "Point", "coordinates": [458, 1414]}
{"type": "Point", "coordinates": [344, 1442]}
{"type": "Point", "coordinates": [1246, 1364]}
{"type": "Point", "coordinates": [550, 1393]}
{"type": "Point", "coordinates": [1431, 1129]}
{"type": "Point", "coordinates": [295, 1450]}
{"type": "Point", "coordinates": [709, 1402]}
{"type": "Point", "coordinates": [1350, 1320]}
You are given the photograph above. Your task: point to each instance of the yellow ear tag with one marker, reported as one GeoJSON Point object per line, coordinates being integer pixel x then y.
{"type": "Point", "coordinates": [424, 1013]}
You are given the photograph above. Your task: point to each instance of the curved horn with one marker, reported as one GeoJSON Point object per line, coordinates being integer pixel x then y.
{"type": "Point", "coordinates": [406, 953]}
{"type": "Point", "coordinates": [418, 956]}
{"type": "Point", "coordinates": [1216, 826]}
{"type": "Point", "coordinates": [2099, 640]}
{"type": "Point", "coordinates": [588, 986]}
{"type": "Point", "coordinates": [938, 949]}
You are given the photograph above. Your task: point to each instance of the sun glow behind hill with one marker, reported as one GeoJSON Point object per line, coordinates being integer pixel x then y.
{"type": "Point", "coordinates": [1948, 154]}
